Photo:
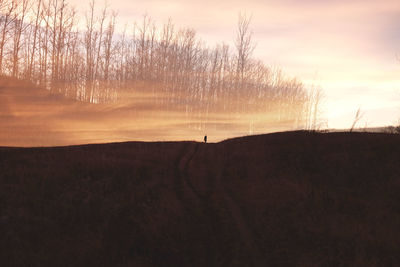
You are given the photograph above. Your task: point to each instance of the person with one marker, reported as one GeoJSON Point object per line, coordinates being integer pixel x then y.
{"type": "Point", "coordinates": [205, 139]}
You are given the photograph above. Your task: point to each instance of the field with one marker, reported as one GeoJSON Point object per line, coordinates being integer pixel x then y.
{"type": "Point", "coordinates": [283, 199]}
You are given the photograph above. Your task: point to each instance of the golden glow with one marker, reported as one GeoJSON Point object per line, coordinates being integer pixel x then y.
{"type": "Point", "coordinates": [342, 46]}
{"type": "Point", "coordinates": [62, 122]}
{"type": "Point", "coordinates": [348, 48]}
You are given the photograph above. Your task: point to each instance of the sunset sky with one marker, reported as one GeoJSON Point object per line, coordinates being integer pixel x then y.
{"type": "Point", "coordinates": [348, 48]}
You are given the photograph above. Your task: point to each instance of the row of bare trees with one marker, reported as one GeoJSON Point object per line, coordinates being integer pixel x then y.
{"type": "Point", "coordinates": [45, 42]}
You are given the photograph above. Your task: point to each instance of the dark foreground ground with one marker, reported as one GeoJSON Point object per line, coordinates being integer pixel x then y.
{"type": "Point", "coordinates": [287, 199]}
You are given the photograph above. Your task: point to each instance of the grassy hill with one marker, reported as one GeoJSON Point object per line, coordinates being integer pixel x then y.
{"type": "Point", "coordinates": [285, 199]}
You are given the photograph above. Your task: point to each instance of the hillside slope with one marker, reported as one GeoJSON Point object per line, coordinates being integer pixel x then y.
{"type": "Point", "coordinates": [285, 199]}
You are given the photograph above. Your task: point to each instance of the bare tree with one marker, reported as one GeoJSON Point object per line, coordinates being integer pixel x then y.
{"type": "Point", "coordinates": [357, 118]}
{"type": "Point", "coordinates": [244, 46]}
{"type": "Point", "coordinates": [90, 41]}
{"type": "Point", "coordinates": [7, 19]}
{"type": "Point", "coordinates": [19, 27]}
{"type": "Point", "coordinates": [312, 107]}
{"type": "Point", "coordinates": [38, 19]}
{"type": "Point", "coordinates": [108, 46]}
{"type": "Point", "coordinates": [97, 60]}
{"type": "Point", "coordinates": [167, 36]}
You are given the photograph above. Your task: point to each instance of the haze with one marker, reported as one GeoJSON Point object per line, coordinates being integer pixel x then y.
{"type": "Point", "coordinates": [348, 48]}
{"type": "Point", "coordinates": [308, 65]}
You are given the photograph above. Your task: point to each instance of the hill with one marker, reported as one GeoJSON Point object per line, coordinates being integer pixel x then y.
{"type": "Point", "coordinates": [285, 199]}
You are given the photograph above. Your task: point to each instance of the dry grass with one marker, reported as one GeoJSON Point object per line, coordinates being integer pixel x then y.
{"type": "Point", "coordinates": [287, 199]}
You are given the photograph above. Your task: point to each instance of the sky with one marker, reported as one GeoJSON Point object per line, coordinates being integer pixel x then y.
{"type": "Point", "coordinates": [349, 48]}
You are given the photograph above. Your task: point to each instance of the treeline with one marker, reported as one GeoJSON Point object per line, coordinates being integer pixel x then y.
{"type": "Point", "coordinates": [44, 41]}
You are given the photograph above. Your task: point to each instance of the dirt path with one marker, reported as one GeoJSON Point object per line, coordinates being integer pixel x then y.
{"type": "Point", "coordinates": [192, 201]}
{"type": "Point", "coordinates": [184, 189]}
{"type": "Point", "coordinates": [189, 195]}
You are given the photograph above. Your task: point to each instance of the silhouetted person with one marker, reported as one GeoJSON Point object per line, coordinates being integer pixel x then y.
{"type": "Point", "coordinates": [205, 139]}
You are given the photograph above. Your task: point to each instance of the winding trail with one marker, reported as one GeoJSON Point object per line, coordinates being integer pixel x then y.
{"type": "Point", "coordinates": [184, 189]}
{"type": "Point", "coordinates": [187, 193]}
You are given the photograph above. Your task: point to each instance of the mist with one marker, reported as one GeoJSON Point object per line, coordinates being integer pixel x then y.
{"type": "Point", "coordinates": [63, 84]}
{"type": "Point", "coordinates": [34, 117]}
